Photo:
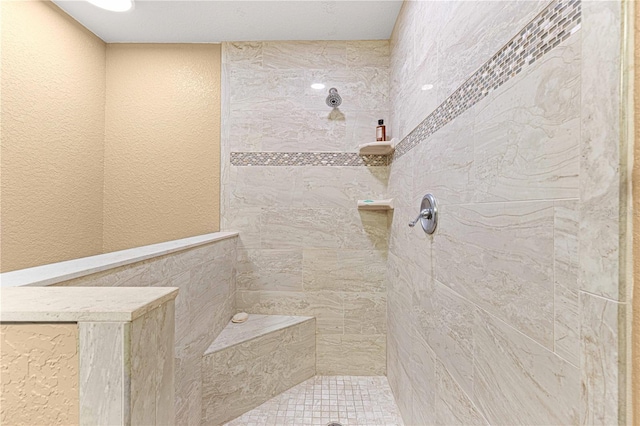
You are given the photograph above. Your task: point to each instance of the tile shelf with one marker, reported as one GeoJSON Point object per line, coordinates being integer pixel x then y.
{"type": "Point", "coordinates": [375, 204]}
{"type": "Point", "coordinates": [377, 148]}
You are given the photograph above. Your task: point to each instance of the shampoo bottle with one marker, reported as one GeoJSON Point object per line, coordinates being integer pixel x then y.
{"type": "Point", "coordinates": [381, 134]}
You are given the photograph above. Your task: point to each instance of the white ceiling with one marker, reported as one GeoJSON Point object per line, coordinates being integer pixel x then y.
{"type": "Point", "coordinates": [207, 21]}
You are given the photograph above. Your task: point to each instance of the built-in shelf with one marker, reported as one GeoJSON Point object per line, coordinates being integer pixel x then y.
{"type": "Point", "coordinates": [377, 148]}
{"type": "Point", "coordinates": [375, 204]}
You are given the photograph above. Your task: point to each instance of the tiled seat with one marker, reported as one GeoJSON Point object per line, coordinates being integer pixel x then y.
{"type": "Point", "coordinates": [250, 363]}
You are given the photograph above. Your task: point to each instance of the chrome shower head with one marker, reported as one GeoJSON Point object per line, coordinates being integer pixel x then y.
{"type": "Point", "coordinates": [334, 100]}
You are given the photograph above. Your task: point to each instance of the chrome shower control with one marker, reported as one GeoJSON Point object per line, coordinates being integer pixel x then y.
{"type": "Point", "coordinates": [428, 215]}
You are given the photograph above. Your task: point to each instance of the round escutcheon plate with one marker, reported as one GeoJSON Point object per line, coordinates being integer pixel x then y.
{"type": "Point", "coordinates": [429, 221]}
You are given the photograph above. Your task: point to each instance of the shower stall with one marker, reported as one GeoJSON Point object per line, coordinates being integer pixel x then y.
{"type": "Point", "coordinates": [473, 268]}
{"type": "Point", "coordinates": [515, 310]}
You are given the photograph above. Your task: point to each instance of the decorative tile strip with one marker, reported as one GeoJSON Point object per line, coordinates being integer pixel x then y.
{"type": "Point", "coordinates": [307, 159]}
{"type": "Point", "coordinates": [552, 26]}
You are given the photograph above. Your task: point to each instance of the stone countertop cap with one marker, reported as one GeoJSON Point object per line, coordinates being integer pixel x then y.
{"type": "Point", "coordinates": [80, 304]}
{"type": "Point", "coordinates": [54, 273]}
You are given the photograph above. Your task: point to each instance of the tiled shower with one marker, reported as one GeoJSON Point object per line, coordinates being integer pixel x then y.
{"type": "Point", "coordinates": [304, 249]}
{"type": "Point", "coordinates": [507, 113]}
{"type": "Point", "coordinates": [511, 118]}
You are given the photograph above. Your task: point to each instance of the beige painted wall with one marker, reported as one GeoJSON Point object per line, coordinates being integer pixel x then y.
{"type": "Point", "coordinates": [52, 136]}
{"type": "Point", "coordinates": [86, 171]}
{"type": "Point", "coordinates": [162, 145]}
{"type": "Point", "coordinates": [39, 374]}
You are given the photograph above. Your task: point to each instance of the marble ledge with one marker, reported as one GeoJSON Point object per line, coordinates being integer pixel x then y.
{"type": "Point", "coordinates": [256, 326]}
{"type": "Point", "coordinates": [81, 304]}
{"type": "Point", "coordinates": [63, 271]}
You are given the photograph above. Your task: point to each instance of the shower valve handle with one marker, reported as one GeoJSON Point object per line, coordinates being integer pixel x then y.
{"type": "Point", "coordinates": [424, 214]}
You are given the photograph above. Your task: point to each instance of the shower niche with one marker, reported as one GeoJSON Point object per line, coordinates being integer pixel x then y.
{"type": "Point", "coordinates": [384, 148]}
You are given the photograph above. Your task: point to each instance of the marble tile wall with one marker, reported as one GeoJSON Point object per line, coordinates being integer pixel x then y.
{"type": "Point", "coordinates": [512, 312]}
{"type": "Point", "coordinates": [127, 370]}
{"type": "Point", "coordinates": [103, 372]}
{"type": "Point", "coordinates": [551, 27]}
{"type": "Point", "coordinates": [153, 366]}
{"type": "Point", "coordinates": [205, 303]}
{"type": "Point", "coordinates": [304, 248]}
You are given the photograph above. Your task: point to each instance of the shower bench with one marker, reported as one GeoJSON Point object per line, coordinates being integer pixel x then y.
{"type": "Point", "coordinates": [251, 362]}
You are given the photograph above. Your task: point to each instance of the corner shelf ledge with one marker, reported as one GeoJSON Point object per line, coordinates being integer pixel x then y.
{"type": "Point", "coordinates": [375, 204]}
{"type": "Point", "coordinates": [377, 148]}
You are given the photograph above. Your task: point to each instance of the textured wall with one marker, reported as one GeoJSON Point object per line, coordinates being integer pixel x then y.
{"type": "Point", "coordinates": [39, 374]}
{"type": "Point", "coordinates": [206, 278]}
{"type": "Point", "coordinates": [304, 248]}
{"type": "Point", "coordinates": [73, 187]}
{"type": "Point", "coordinates": [510, 312]}
{"type": "Point", "coordinates": [52, 128]}
{"type": "Point", "coordinates": [162, 144]}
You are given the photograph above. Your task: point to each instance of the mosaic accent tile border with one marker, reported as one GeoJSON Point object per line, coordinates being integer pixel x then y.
{"type": "Point", "coordinates": [553, 25]}
{"type": "Point", "coordinates": [307, 159]}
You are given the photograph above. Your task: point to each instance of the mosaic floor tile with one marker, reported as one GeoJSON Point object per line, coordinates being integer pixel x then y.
{"type": "Point", "coordinates": [348, 400]}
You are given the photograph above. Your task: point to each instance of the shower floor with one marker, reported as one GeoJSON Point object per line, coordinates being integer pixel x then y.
{"type": "Point", "coordinates": [349, 400]}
